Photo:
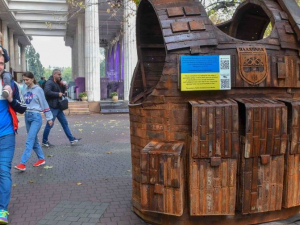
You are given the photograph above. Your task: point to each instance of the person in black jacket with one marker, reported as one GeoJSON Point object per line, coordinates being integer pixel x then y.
{"type": "Point", "coordinates": [54, 91]}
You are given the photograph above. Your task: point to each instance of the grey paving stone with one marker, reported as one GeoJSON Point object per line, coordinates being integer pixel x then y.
{"type": "Point", "coordinates": [76, 223]}
{"type": "Point", "coordinates": [63, 223]}
{"type": "Point", "coordinates": [72, 219]}
{"type": "Point", "coordinates": [42, 222]}
{"type": "Point", "coordinates": [67, 213]}
{"type": "Point", "coordinates": [84, 219]}
{"type": "Point", "coordinates": [106, 180]}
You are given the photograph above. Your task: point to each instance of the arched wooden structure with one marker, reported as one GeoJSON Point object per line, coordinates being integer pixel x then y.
{"type": "Point", "coordinates": [216, 157]}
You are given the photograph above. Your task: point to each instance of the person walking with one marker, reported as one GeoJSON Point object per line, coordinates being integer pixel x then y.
{"type": "Point", "coordinates": [8, 128]}
{"type": "Point", "coordinates": [54, 91]}
{"type": "Point", "coordinates": [42, 82]}
{"type": "Point", "coordinates": [35, 100]}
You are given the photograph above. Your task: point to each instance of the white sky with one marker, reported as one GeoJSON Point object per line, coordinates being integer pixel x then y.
{"type": "Point", "coordinates": [53, 51]}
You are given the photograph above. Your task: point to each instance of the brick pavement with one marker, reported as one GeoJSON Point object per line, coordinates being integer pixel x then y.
{"type": "Point", "coordinates": [88, 184]}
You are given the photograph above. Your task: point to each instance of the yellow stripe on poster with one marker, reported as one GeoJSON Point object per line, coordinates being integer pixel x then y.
{"type": "Point", "coordinates": [200, 81]}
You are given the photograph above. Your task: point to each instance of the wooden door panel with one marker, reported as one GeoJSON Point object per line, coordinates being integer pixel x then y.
{"type": "Point", "coordinates": [162, 183]}
{"type": "Point", "coordinates": [212, 188]}
{"type": "Point", "coordinates": [214, 128]}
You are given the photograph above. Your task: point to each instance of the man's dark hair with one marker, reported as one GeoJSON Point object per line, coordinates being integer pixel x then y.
{"type": "Point", "coordinates": [55, 71]}
{"type": "Point", "coordinates": [42, 78]}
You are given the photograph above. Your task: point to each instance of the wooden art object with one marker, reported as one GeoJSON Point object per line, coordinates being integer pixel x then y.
{"type": "Point", "coordinates": [216, 157]}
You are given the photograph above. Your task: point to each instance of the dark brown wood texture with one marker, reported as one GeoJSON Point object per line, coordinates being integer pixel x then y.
{"type": "Point", "coordinates": [260, 185]}
{"type": "Point", "coordinates": [291, 196]}
{"type": "Point", "coordinates": [215, 129]}
{"type": "Point", "coordinates": [241, 146]}
{"type": "Point", "coordinates": [162, 181]}
{"type": "Point", "coordinates": [293, 125]}
{"type": "Point", "coordinates": [293, 14]}
{"type": "Point", "coordinates": [264, 125]}
{"type": "Point", "coordinates": [212, 188]}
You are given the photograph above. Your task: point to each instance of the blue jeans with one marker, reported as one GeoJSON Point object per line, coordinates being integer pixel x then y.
{"type": "Point", "coordinates": [63, 121]}
{"type": "Point", "coordinates": [7, 149]}
{"type": "Point", "coordinates": [33, 121]}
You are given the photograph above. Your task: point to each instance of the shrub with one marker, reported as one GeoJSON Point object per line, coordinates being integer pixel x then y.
{"type": "Point", "coordinates": [82, 94]}
{"type": "Point", "coordinates": [113, 94]}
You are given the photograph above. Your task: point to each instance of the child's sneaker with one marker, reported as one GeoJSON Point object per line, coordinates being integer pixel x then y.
{"type": "Point", "coordinates": [40, 162]}
{"type": "Point", "coordinates": [5, 94]}
{"type": "Point", "coordinates": [3, 217]}
{"type": "Point", "coordinates": [21, 167]}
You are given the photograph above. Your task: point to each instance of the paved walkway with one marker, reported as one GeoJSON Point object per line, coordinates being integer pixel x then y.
{"type": "Point", "coordinates": [86, 184]}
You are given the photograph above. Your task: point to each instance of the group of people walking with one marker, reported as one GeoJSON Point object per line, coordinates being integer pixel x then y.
{"type": "Point", "coordinates": [32, 101]}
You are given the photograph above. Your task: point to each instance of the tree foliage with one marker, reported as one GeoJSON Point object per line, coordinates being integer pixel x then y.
{"type": "Point", "coordinates": [34, 64]}
{"type": "Point", "coordinates": [66, 74]}
{"type": "Point", "coordinates": [222, 10]}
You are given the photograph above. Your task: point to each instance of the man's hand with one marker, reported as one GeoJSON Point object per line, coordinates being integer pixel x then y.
{"type": "Point", "coordinates": [60, 94]}
{"type": "Point", "coordinates": [50, 122]}
{"type": "Point", "coordinates": [10, 96]}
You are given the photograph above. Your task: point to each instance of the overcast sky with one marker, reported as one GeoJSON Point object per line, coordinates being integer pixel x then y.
{"type": "Point", "coordinates": [53, 51]}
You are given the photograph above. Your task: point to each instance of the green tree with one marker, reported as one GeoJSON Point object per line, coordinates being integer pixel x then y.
{"type": "Point", "coordinates": [34, 64]}
{"type": "Point", "coordinates": [102, 68]}
{"type": "Point", "coordinates": [47, 73]}
{"type": "Point", "coordinates": [66, 74]}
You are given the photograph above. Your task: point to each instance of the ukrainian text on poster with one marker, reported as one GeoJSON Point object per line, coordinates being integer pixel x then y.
{"type": "Point", "coordinates": [201, 73]}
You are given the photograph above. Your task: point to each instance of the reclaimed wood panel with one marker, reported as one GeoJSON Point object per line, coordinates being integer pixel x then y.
{"type": "Point", "coordinates": [162, 184]}
{"type": "Point", "coordinates": [293, 11]}
{"type": "Point", "coordinates": [264, 128]}
{"type": "Point", "coordinates": [260, 183]}
{"type": "Point", "coordinates": [214, 128]}
{"type": "Point", "coordinates": [291, 196]}
{"type": "Point", "coordinates": [225, 177]}
{"type": "Point", "coordinates": [212, 189]}
{"type": "Point", "coordinates": [175, 11]}
{"type": "Point", "coordinates": [293, 125]}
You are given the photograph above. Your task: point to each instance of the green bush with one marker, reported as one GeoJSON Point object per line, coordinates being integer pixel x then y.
{"type": "Point", "coordinates": [82, 94]}
{"type": "Point", "coordinates": [113, 94]}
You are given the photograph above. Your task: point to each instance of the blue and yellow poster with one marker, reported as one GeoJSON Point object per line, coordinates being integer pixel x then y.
{"type": "Point", "coordinates": [202, 73]}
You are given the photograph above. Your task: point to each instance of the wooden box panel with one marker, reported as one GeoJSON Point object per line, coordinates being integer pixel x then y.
{"type": "Point", "coordinates": [212, 189]}
{"type": "Point", "coordinates": [175, 11]}
{"type": "Point", "coordinates": [214, 128]}
{"type": "Point", "coordinates": [291, 196]}
{"type": "Point", "coordinates": [260, 186]}
{"type": "Point", "coordinates": [264, 126]}
{"type": "Point", "coordinates": [287, 71]}
{"type": "Point", "coordinates": [162, 182]}
{"type": "Point", "coordinates": [293, 124]}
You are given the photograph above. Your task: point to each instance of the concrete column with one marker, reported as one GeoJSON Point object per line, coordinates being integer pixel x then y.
{"type": "Point", "coordinates": [17, 54]}
{"type": "Point", "coordinates": [80, 45]}
{"type": "Point", "coordinates": [5, 41]}
{"type": "Point", "coordinates": [130, 52]}
{"type": "Point", "coordinates": [73, 62]}
{"type": "Point", "coordinates": [92, 50]}
{"type": "Point", "coordinates": [106, 57]}
{"type": "Point", "coordinates": [23, 60]}
{"type": "Point", "coordinates": [75, 49]}
{"type": "Point", "coordinates": [11, 49]}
